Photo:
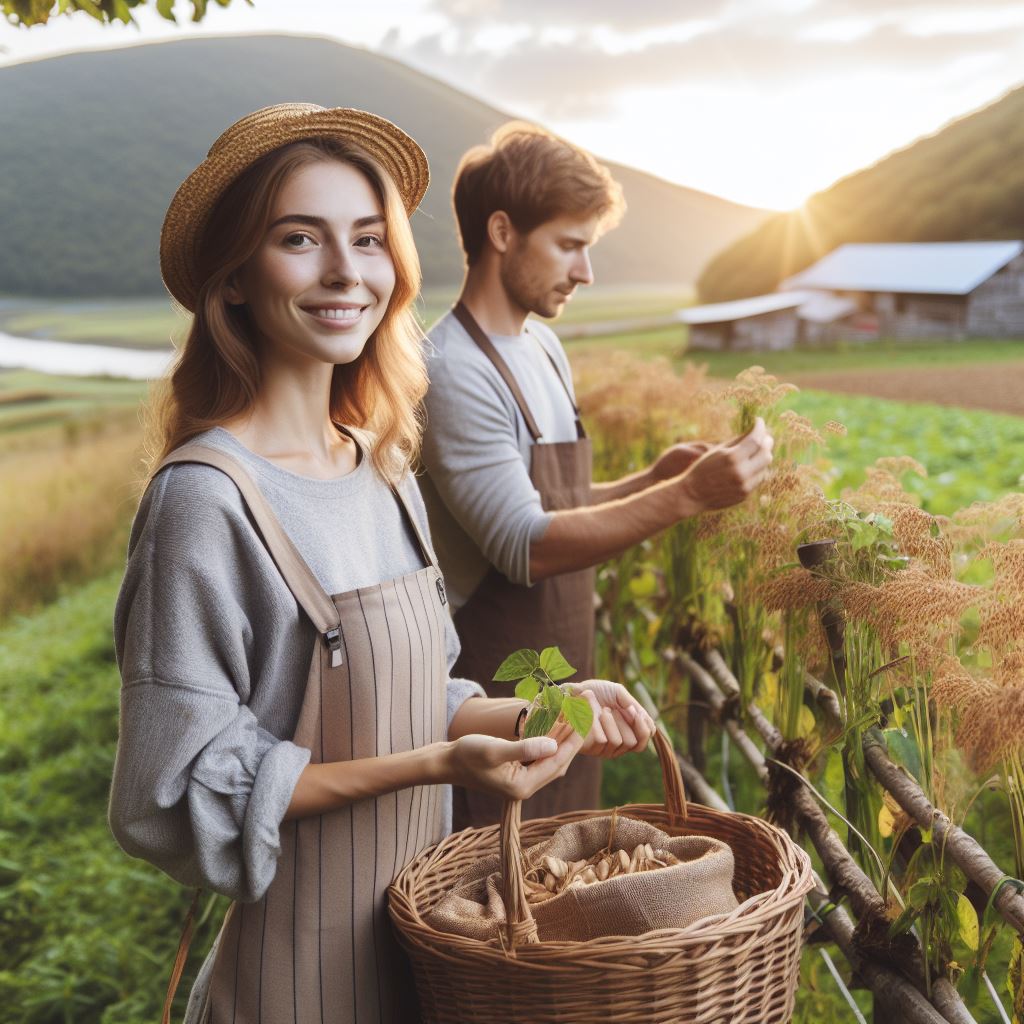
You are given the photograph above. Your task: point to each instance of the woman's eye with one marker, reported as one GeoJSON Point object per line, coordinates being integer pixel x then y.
{"type": "Point", "coordinates": [297, 239]}
{"type": "Point", "coordinates": [370, 241]}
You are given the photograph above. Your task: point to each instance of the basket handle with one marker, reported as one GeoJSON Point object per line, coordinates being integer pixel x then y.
{"type": "Point", "coordinates": [520, 926]}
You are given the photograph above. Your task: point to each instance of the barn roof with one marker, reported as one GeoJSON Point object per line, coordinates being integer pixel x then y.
{"type": "Point", "coordinates": [938, 268]}
{"type": "Point", "coordinates": [817, 306]}
{"type": "Point", "coordinates": [740, 309]}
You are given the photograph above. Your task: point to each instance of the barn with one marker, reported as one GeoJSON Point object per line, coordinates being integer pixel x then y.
{"type": "Point", "coordinates": [878, 290]}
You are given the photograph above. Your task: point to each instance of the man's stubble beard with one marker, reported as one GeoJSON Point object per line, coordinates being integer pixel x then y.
{"type": "Point", "coordinates": [524, 293]}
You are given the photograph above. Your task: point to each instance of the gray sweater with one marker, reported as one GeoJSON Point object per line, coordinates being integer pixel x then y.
{"type": "Point", "coordinates": [483, 507]}
{"type": "Point", "coordinates": [214, 653]}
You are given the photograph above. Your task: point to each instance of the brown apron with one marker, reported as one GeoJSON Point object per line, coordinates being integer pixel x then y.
{"type": "Point", "coordinates": [318, 947]}
{"type": "Point", "coordinates": [500, 616]}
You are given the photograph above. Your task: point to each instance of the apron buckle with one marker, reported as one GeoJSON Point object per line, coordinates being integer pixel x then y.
{"type": "Point", "coordinates": [333, 640]}
{"type": "Point", "coordinates": [441, 592]}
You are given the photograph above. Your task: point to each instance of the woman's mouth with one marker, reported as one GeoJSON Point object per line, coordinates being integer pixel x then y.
{"type": "Point", "coordinates": [337, 316]}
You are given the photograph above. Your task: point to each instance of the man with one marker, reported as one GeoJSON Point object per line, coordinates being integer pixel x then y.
{"type": "Point", "coordinates": [516, 521]}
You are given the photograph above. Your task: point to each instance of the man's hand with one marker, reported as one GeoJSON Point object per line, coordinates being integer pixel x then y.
{"type": "Point", "coordinates": [677, 459]}
{"type": "Point", "coordinates": [621, 726]}
{"type": "Point", "coordinates": [727, 474]}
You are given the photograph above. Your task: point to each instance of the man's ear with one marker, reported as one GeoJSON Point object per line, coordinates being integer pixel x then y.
{"type": "Point", "coordinates": [499, 230]}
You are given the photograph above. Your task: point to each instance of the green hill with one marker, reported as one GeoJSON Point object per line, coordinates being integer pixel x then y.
{"type": "Point", "coordinates": [964, 182]}
{"type": "Point", "coordinates": [94, 144]}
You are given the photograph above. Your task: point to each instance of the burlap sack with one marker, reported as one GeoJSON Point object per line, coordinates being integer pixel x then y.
{"type": "Point", "coordinates": [671, 897]}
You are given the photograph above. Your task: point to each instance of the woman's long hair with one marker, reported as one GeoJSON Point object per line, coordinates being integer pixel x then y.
{"type": "Point", "coordinates": [216, 375]}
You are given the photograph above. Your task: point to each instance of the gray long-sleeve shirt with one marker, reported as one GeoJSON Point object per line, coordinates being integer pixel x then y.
{"type": "Point", "coordinates": [483, 507]}
{"type": "Point", "coordinates": [214, 654]}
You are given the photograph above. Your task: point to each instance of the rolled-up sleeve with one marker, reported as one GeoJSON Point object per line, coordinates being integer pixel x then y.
{"type": "Point", "coordinates": [472, 454]}
{"type": "Point", "coordinates": [199, 788]}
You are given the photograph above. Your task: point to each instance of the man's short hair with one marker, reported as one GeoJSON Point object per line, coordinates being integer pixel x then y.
{"type": "Point", "coordinates": [534, 176]}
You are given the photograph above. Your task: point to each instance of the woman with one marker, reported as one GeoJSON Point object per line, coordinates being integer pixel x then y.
{"type": "Point", "coordinates": [289, 730]}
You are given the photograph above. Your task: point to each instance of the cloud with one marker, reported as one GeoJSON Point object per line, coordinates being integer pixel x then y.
{"type": "Point", "coordinates": [580, 78]}
{"type": "Point", "coordinates": [576, 13]}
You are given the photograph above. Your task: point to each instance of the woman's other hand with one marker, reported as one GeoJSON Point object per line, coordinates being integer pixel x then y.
{"type": "Point", "coordinates": [512, 769]}
{"type": "Point", "coordinates": [621, 725]}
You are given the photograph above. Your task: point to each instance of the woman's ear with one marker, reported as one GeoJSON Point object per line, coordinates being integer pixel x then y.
{"type": "Point", "coordinates": [232, 292]}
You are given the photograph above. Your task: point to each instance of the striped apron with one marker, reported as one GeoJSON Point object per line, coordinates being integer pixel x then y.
{"type": "Point", "coordinates": [318, 947]}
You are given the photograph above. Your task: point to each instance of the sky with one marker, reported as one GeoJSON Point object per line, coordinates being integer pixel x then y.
{"type": "Point", "coordinates": [761, 101]}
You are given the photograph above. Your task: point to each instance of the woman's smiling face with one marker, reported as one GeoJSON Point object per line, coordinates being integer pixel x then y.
{"type": "Point", "coordinates": [319, 283]}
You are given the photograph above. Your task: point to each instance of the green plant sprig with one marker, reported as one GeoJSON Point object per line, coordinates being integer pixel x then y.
{"type": "Point", "coordinates": [537, 677]}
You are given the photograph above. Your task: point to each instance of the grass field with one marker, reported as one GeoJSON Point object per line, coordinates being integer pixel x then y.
{"type": "Point", "coordinates": [140, 323]}
{"type": "Point", "coordinates": [154, 323]}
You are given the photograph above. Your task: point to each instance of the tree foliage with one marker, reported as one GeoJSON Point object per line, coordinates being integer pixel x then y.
{"type": "Point", "coordinates": [964, 182]}
{"type": "Point", "coordinates": [39, 12]}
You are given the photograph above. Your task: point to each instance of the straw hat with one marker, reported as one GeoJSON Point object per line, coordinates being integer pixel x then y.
{"type": "Point", "coordinates": [256, 135]}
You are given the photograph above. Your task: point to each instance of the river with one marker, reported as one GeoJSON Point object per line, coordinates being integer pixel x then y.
{"type": "Point", "coordinates": [71, 359]}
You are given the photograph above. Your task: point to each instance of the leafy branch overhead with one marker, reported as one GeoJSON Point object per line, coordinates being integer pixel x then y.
{"type": "Point", "coordinates": [39, 12]}
{"type": "Point", "coordinates": [537, 677]}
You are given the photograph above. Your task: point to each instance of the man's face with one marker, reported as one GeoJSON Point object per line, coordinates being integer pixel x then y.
{"type": "Point", "coordinates": [540, 270]}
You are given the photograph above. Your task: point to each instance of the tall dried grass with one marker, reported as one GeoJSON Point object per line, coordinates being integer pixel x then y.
{"type": "Point", "coordinates": [65, 509]}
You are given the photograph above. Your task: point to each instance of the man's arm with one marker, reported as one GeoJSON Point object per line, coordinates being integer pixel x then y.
{"type": "Point", "coordinates": [578, 538]}
{"type": "Point", "coordinates": [670, 463]}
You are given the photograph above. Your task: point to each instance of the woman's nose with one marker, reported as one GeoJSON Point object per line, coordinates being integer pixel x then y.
{"type": "Point", "coordinates": [340, 271]}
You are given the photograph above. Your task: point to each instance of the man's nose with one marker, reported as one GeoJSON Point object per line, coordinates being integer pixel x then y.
{"type": "Point", "coordinates": [582, 272]}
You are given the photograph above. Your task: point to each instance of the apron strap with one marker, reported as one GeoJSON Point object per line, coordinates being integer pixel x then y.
{"type": "Point", "coordinates": [298, 576]}
{"type": "Point", "coordinates": [580, 432]}
{"type": "Point", "coordinates": [477, 333]}
{"type": "Point", "coordinates": [426, 551]}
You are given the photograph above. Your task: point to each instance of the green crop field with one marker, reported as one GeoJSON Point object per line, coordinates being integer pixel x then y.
{"type": "Point", "coordinates": [970, 455]}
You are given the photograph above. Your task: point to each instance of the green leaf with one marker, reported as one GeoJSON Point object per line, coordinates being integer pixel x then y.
{"type": "Point", "coordinates": [904, 922]}
{"type": "Point", "coordinates": [90, 8]}
{"type": "Point", "coordinates": [540, 723]}
{"type": "Point", "coordinates": [555, 665]}
{"type": "Point", "coordinates": [578, 713]}
{"type": "Point", "coordinates": [903, 750]}
{"type": "Point", "coordinates": [517, 666]}
{"type": "Point", "coordinates": [527, 689]}
{"type": "Point", "coordinates": [165, 8]}
{"type": "Point", "coordinates": [1015, 977]}
{"type": "Point", "coordinates": [967, 917]}
{"type": "Point", "coordinates": [833, 782]}
{"type": "Point", "coordinates": [553, 698]}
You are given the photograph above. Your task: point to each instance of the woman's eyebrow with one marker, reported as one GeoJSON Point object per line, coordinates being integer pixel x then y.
{"type": "Point", "coordinates": [320, 222]}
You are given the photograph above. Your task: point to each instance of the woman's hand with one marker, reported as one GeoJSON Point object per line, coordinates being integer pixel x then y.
{"type": "Point", "coordinates": [621, 725]}
{"type": "Point", "coordinates": [497, 766]}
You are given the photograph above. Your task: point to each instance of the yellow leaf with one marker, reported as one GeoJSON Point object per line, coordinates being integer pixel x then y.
{"type": "Point", "coordinates": [653, 626]}
{"type": "Point", "coordinates": [644, 585]}
{"type": "Point", "coordinates": [968, 918]}
{"type": "Point", "coordinates": [807, 723]}
{"type": "Point", "coordinates": [885, 822]}
{"type": "Point", "coordinates": [770, 688]}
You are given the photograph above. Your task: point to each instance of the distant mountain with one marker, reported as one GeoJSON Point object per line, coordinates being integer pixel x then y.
{"type": "Point", "coordinates": [92, 146]}
{"type": "Point", "coordinates": [964, 182]}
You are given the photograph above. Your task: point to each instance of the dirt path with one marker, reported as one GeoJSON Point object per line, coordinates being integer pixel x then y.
{"type": "Point", "coordinates": [996, 386]}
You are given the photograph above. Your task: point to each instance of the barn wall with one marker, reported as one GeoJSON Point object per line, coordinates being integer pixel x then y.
{"type": "Point", "coordinates": [903, 315]}
{"type": "Point", "coordinates": [995, 309]}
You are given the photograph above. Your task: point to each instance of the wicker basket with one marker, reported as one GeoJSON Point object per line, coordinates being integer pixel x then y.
{"type": "Point", "coordinates": [740, 968]}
